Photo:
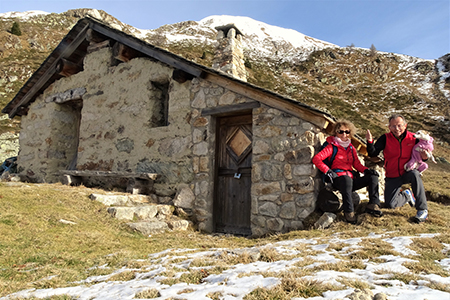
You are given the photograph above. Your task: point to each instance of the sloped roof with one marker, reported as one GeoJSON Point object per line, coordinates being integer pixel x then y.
{"type": "Point", "coordinates": [74, 47]}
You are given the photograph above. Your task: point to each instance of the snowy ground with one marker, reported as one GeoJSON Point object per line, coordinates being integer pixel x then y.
{"type": "Point", "coordinates": [240, 279]}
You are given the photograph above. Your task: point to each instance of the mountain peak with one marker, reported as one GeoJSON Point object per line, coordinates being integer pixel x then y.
{"type": "Point", "coordinates": [260, 30]}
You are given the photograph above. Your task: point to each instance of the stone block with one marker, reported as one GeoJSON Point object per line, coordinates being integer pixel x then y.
{"type": "Point", "coordinates": [149, 227]}
{"type": "Point", "coordinates": [301, 156]}
{"type": "Point", "coordinates": [302, 186]}
{"type": "Point", "coordinates": [279, 157]}
{"type": "Point", "coordinates": [165, 210]}
{"type": "Point", "coordinates": [265, 188]}
{"type": "Point", "coordinates": [275, 225]}
{"type": "Point", "coordinates": [303, 170]}
{"type": "Point", "coordinates": [227, 98]}
{"type": "Point", "coordinates": [288, 210]}
{"type": "Point", "coordinates": [200, 149]}
{"type": "Point", "coordinates": [204, 164]}
{"type": "Point", "coordinates": [267, 131]}
{"type": "Point", "coordinates": [121, 213]}
{"type": "Point", "coordinates": [181, 225]}
{"type": "Point", "coordinates": [269, 209]}
{"type": "Point", "coordinates": [145, 212]}
{"type": "Point", "coordinates": [201, 188]}
{"type": "Point", "coordinates": [110, 200]}
{"type": "Point", "coordinates": [261, 119]}
{"type": "Point", "coordinates": [198, 135]}
{"type": "Point", "coordinates": [325, 220]}
{"type": "Point", "coordinates": [200, 122]}
{"type": "Point", "coordinates": [259, 221]}
{"type": "Point", "coordinates": [184, 198]}
{"type": "Point", "coordinates": [260, 147]}
{"type": "Point", "coordinates": [271, 172]}
{"type": "Point", "coordinates": [287, 171]}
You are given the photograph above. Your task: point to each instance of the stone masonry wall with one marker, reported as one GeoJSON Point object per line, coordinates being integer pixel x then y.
{"type": "Point", "coordinates": [117, 131]}
{"type": "Point", "coordinates": [206, 95]}
{"type": "Point", "coordinates": [47, 141]}
{"type": "Point", "coordinates": [284, 179]}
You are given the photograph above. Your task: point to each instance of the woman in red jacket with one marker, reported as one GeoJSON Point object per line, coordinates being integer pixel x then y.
{"type": "Point", "coordinates": [341, 172]}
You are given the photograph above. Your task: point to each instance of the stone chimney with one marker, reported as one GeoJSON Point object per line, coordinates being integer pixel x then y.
{"type": "Point", "coordinates": [229, 57]}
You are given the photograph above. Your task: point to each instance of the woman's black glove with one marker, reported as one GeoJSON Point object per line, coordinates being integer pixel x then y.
{"type": "Point", "coordinates": [370, 172]}
{"type": "Point", "coordinates": [330, 173]}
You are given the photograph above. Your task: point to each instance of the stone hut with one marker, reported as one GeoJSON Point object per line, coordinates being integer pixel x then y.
{"type": "Point", "coordinates": [107, 103]}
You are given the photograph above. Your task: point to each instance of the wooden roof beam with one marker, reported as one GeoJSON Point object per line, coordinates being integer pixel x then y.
{"type": "Point", "coordinates": [138, 45]}
{"type": "Point", "coordinates": [124, 53]}
{"type": "Point", "coordinates": [67, 68]}
{"type": "Point", "coordinates": [93, 37]}
{"type": "Point", "coordinates": [51, 70]}
{"type": "Point", "coordinates": [316, 118]}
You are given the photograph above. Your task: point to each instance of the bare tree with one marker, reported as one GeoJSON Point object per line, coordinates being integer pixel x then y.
{"type": "Point", "coordinates": [351, 48]}
{"type": "Point", "coordinates": [373, 50]}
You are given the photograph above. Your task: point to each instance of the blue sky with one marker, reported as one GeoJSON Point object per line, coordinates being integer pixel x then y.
{"type": "Point", "coordinates": [418, 28]}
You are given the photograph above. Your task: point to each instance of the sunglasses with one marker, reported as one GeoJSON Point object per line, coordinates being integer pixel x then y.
{"type": "Point", "coordinates": [343, 131]}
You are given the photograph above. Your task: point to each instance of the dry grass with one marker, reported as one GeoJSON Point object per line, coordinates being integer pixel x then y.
{"type": "Point", "coordinates": [356, 284]}
{"type": "Point", "coordinates": [215, 296]}
{"type": "Point", "coordinates": [122, 276]}
{"type": "Point", "coordinates": [190, 277]}
{"type": "Point", "coordinates": [147, 294]}
{"type": "Point", "coordinates": [291, 287]}
{"type": "Point", "coordinates": [48, 253]}
{"type": "Point", "coordinates": [39, 251]}
{"type": "Point", "coordinates": [341, 266]}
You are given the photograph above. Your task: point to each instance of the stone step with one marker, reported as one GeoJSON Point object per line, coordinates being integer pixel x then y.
{"type": "Point", "coordinates": [124, 200]}
{"type": "Point", "coordinates": [154, 226]}
{"type": "Point", "coordinates": [150, 218]}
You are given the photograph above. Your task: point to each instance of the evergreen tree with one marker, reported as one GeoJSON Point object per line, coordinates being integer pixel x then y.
{"type": "Point", "coordinates": [15, 29]}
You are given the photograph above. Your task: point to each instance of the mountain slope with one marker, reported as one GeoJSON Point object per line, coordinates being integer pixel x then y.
{"type": "Point", "coordinates": [354, 83]}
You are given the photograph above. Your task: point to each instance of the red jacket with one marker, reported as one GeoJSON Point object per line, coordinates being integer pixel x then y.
{"type": "Point", "coordinates": [344, 162]}
{"type": "Point", "coordinates": [397, 153]}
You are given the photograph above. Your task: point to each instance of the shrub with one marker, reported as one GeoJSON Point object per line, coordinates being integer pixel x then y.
{"type": "Point", "coordinates": [15, 29]}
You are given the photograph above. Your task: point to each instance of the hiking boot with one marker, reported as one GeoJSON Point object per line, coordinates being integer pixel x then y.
{"type": "Point", "coordinates": [410, 196]}
{"type": "Point", "coordinates": [350, 217]}
{"type": "Point", "coordinates": [421, 216]}
{"type": "Point", "coordinates": [374, 210]}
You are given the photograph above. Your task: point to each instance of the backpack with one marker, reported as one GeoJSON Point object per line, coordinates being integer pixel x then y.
{"type": "Point", "coordinates": [328, 161]}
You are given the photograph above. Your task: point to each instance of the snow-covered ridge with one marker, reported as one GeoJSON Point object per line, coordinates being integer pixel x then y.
{"type": "Point", "coordinates": [22, 15]}
{"type": "Point", "coordinates": [261, 31]}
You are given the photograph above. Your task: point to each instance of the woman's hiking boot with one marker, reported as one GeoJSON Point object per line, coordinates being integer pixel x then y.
{"type": "Point", "coordinates": [350, 217]}
{"type": "Point", "coordinates": [374, 210]}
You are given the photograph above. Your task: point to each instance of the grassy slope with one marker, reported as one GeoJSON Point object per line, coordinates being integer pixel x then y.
{"type": "Point", "coordinates": [36, 245]}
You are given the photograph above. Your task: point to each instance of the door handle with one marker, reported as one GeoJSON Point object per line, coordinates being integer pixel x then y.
{"type": "Point", "coordinates": [237, 175]}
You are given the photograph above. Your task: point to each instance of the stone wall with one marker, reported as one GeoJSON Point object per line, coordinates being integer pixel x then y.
{"type": "Point", "coordinates": [206, 95]}
{"type": "Point", "coordinates": [9, 145]}
{"type": "Point", "coordinates": [119, 124]}
{"type": "Point", "coordinates": [120, 129]}
{"type": "Point", "coordinates": [284, 179]}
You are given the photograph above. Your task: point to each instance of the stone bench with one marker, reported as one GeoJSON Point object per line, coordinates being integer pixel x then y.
{"type": "Point", "coordinates": [137, 183]}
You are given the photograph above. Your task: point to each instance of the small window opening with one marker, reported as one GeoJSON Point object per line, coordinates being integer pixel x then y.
{"type": "Point", "coordinates": [160, 113]}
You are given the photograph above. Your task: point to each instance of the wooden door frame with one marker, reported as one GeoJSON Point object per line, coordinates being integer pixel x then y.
{"type": "Point", "coordinates": [217, 118]}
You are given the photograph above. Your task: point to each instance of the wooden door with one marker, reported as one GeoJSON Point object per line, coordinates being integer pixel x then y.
{"type": "Point", "coordinates": [232, 201]}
